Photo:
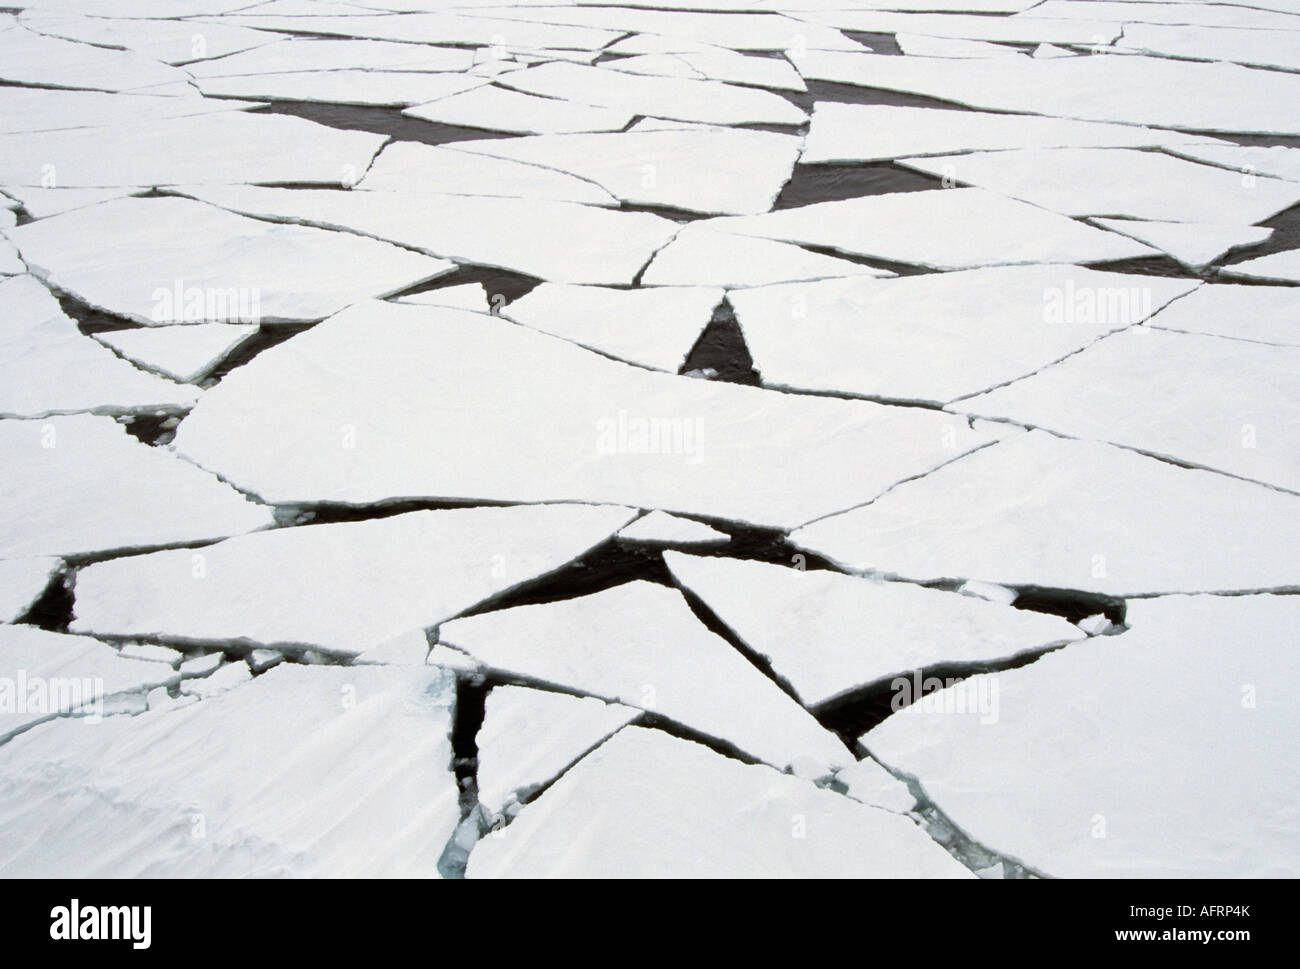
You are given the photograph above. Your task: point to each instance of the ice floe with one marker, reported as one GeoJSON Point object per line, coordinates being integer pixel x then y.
{"type": "Point", "coordinates": [470, 296]}
{"type": "Point", "coordinates": [1078, 777]}
{"type": "Point", "coordinates": [1278, 267]}
{"type": "Point", "coordinates": [920, 45]}
{"type": "Point", "coordinates": [168, 41]}
{"type": "Point", "coordinates": [1269, 314]}
{"type": "Point", "coordinates": [1129, 89]}
{"type": "Point", "coordinates": [918, 228]}
{"type": "Point", "coordinates": [1118, 182]}
{"type": "Point", "coordinates": [342, 587]}
{"type": "Point", "coordinates": [174, 260]}
{"type": "Point", "coordinates": [303, 771]}
{"type": "Point", "coordinates": [362, 86]}
{"type": "Point", "coordinates": [661, 528]}
{"type": "Point", "coordinates": [21, 583]}
{"type": "Point", "coordinates": [529, 737]}
{"type": "Point", "coordinates": [711, 170]}
{"type": "Point", "coordinates": [843, 133]}
{"type": "Point", "coordinates": [409, 167]}
{"type": "Point", "coordinates": [500, 109]}
{"type": "Point", "coordinates": [48, 367]}
{"type": "Point", "coordinates": [231, 147]}
{"type": "Point", "coordinates": [655, 327]}
{"type": "Point", "coordinates": [184, 353]}
{"type": "Point", "coordinates": [47, 109]}
{"type": "Point", "coordinates": [1038, 511]}
{"type": "Point", "coordinates": [936, 337]}
{"type": "Point", "coordinates": [1277, 161]}
{"type": "Point", "coordinates": [1192, 244]}
{"type": "Point", "coordinates": [1252, 46]}
{"type": "Point", "coordinates": [1021, 30]}
{"type": "Point", "coordinates": [1227, 405]}
{"type": "Point", "coordinates": [682, 99]}
{"type": "Point", "coordinates": [641, 645]}
{"type": "Point", "coordinates": [699, 256]}
{"type": "Point", "coordinates": [597, 246]}
{"type": "Point", "coordinates": [41, 203]}
{"type": "Point", "coordinates": [829, 634]}
{"type": "Point", "coordinates": [310, 55]}
{"type": "Point", "coordinates": [650, 804]}
{"type": "Point", "coordinates": [397, 382]}
{"type": "Point", "coordinates": [439, 28]}
{"type": "Point", "coordinates": [47, 675]}
{"type": "Point", "coordinates": [27, 57]}
{"type": "Point", "coordinates": [156, 499]}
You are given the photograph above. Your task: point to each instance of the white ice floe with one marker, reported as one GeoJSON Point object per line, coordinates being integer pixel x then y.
{"type": "Point", "coordinates": [27, 57]}
{"type": "Point", "coordinates": [174, 260]}
{"type": "Point", "coordinates": [168, 41]}
{"type": "Point", "coordinates": [921, 45]}
{"type": "Point", "coordinates": [1227, 405]}
{"type": "Point", "coordinates": [11, 264]}
{"type": "Point", "coordinates": [21, 583]}
{"type": "Point", "coordinates": [1036, 510]}
{"type": "Point", "coordinates": [470, 296]}
{"type": "Point", "coordinates": [529, 737]}
{"type": "Point", "coordinates": [343, 587]}
{"type": "Point", "coordinates": [40, 203]}
{"type": "Point", "coordinates": [711, 170]}
{"type": "Point", "coordinates": [1258, 48]}
{"type": "Point", "coordinates": [1130, 89]}
{"type": "Point", "coordinates": [410, 648]}
{"type": "Point", "coordinates": [184, 353]}
{"type": "Point", "coordinates": [410, 167]}
{"type": "Point", "coordinates": [44, 675]}
{"type": "Point", "coordinates": [47, 366]}
{"type": "Point", "coordinates": [47, 109]}
{"type": "Point", "coordinates": [1192, 244]}
{"type": "Point", "coordinates": [231, 147]}
{"type": "Point", "coordinates": [653, 805]}
{"type": "Point", "coordinates": [965, 26]}
{"type": "Point", "coordinates": [597, 245]}
{"type": "Point", "coordinates": [1235, 13]}
{"type": "Point", "coordinates": [763, 31]}
{"type": "Point", "coordinates": [533, 418]}
{"type": "Point", "coordinates": [303, 771]}
{"type": "Point", "coordinates": [714, 64]}
{"type": "Point", "coordinates": [641, 645]}
{"type": "Point", "coordinates": [306, 54]}
{"type": "Point", "coordinates": [361, 86]}
{"type": "Point", "coordinates": [937, 336]}
{"type": "Point", "coordinates": [1269, 314]}
{"type": "Point", "coordinates": [654, 327]}
{"type": "Point", "coordinates": [682, 99]}
{"type": "Point", "coordinates": [222, 680]}
{"type": "Point", "coordinates": [843, 133]}
{"type": "Point", "coordinates": [1080, 777]}
{"type": "Point", "coordinates": [1117, 182]}
{"type": "Point", "coordinates": [868, 782]}
{"type": "Point", "coordinates": [829, 634]}
{"type": "Point", "coordinates": [496, 108]}
{"type": "Point", "coordinates": [941, 229]}
{"type": "Point", "coordinates": [661, 528]}
{"type": "Point", "coordinates": [51, 466]}
{"type": "Point", "coordinates": [440, 28]}
{"type": "Point", "coordinates": [1051, 50]}
{"type": "Point", "coordinates": [1280, 267]}
{"type": "Point", "coordinates": [699, 256]}
{"type": "Point", "coordinates": [1277, 161]}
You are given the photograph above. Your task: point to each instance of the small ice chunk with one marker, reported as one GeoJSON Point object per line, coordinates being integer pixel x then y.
{"type": "Point", "coordinates": [530, 737]}
{"type": "Point", "coordinates": [661, 528]}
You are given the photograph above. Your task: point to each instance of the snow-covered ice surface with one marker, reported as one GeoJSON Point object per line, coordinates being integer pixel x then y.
{"type": "Point", "coordinates": [1072, 745]}
{"type": "Point", "coordinates": [829, 633]}
{"type": "Point", "coordinates": [329, 586]}
{"type": "Point", "coordinates": [649, 804]}
{"type": "Point", "coordinates": [288, 779]}
{"type": "Point", "coordinates": [644, 437]}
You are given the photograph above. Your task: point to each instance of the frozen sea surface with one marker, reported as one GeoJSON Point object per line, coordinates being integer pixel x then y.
{"type": "Point", "coordinates": [542, 438]}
